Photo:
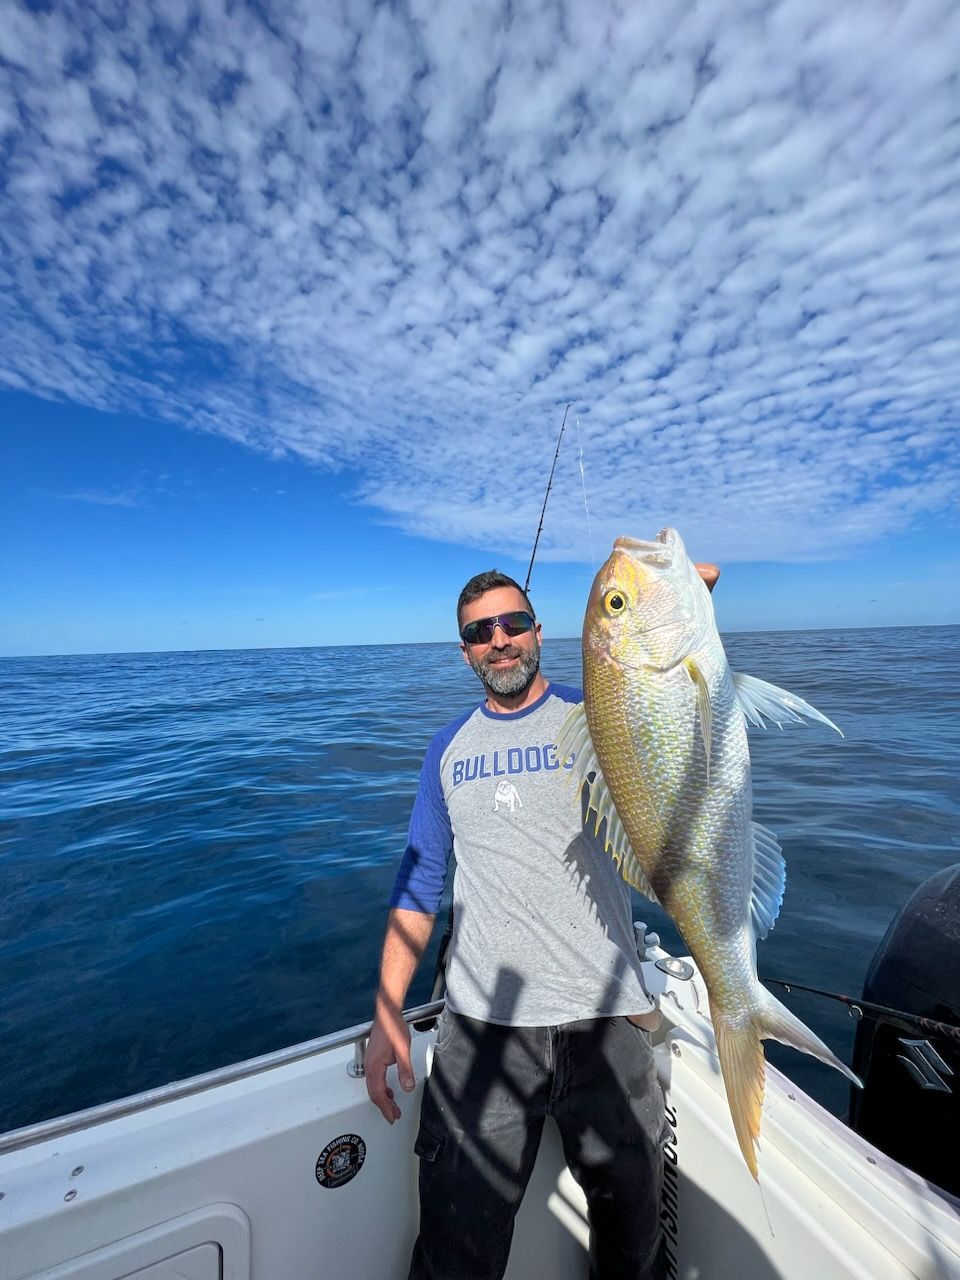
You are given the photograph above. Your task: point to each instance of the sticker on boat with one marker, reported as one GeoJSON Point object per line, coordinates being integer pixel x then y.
{"type": "Point", "coordinates": [341, 1160]}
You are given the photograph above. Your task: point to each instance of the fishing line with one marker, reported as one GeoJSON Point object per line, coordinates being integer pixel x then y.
{"type": "Point", "coordinates": [766, 1211]}
{"type": "Point", "coordinates": [543, 509]}
{"type": "Point", "coordinates": [583, 485]}
{"type": "Point", "coordinates": [556, 454]}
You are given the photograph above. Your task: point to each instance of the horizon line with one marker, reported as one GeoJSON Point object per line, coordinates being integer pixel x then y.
{"type": "Point", "coordinates": [411, 644]}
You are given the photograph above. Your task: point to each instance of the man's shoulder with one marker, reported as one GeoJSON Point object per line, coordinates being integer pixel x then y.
{"type": "Point", "coordinates": [565, 692]}
{"type": "Point", "coordinates": [441, 740]}
{"type": "Point", "coordinates": [443, 737]}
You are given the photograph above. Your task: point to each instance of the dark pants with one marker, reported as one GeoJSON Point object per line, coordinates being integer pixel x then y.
{"type": "Point", "coordinates": [484, 1105]}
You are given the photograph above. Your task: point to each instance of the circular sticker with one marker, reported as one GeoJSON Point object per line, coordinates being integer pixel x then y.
{"type": "Point", "coordinates": [341, 1160]}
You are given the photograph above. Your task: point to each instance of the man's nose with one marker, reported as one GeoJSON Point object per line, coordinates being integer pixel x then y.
{"type": "Point", "coordinates": [504, 638]}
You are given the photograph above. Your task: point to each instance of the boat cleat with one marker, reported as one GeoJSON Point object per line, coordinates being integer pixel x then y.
{"type": "Point", "coordinates": [667, 977]}
{"type": "Point", "coordinates": [672, 979]}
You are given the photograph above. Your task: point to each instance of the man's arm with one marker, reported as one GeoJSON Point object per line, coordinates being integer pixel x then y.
{"type": "Point", "coordinates": [417, 894]}
{"type": "Point", "coordinates": [408, 933]}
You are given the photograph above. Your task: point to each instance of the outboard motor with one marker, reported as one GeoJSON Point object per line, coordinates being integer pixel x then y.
{"type": "Point", "coordinates": [909, 1057]}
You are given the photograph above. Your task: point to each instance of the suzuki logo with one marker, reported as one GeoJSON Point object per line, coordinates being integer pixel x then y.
{"type": "Point", "coordinates": [923, 1064]}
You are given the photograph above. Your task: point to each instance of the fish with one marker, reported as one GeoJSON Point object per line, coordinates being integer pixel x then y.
{"type": "Point", "coordinates": [660, 741]}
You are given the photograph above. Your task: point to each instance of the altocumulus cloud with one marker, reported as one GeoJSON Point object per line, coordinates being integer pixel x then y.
{"type": "Point", "coordinates": [399, 238]}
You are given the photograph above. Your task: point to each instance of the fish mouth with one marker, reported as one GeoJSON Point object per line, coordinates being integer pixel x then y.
{"type": "Point", "coordinates": [659, 552]}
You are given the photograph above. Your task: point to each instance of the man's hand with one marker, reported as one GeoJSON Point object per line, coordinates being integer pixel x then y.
{"type": "Point", "coordinates": [408, 933]}
{"type": "Point", "coordinates": [709, 573]}
{"type": "Point", "coordinates": [389, 1044]}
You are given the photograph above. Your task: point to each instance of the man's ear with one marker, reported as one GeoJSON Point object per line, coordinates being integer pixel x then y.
{"type": "Point", "coordinates": [463, 650]}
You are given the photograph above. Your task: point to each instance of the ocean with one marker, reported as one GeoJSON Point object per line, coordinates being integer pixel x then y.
{"type": "Point", "coordinates": [196, 849]}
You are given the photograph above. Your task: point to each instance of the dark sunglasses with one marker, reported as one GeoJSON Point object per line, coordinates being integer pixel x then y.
{"type": "Point", "coordinates": [514, 624]}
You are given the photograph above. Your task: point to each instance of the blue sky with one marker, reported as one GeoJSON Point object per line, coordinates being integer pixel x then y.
{"type": "Point", "coordinates": [293, 296]}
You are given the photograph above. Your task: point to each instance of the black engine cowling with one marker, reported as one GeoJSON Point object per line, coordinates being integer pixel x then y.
{"type": "Point", "coordinates": [910, 1103]}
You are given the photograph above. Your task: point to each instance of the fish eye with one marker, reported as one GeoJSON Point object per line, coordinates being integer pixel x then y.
{"type": "Point", "coordinates": [615, 602]}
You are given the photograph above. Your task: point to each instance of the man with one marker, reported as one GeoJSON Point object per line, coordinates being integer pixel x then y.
{"type": "Point", "coordinates": [546, 1013]}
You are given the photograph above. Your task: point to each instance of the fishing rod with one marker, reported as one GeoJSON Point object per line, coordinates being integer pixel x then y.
{"type": "Point", "coordinates": [859, 1007]}
{"type": "Point", "coordinates": [545, 497]}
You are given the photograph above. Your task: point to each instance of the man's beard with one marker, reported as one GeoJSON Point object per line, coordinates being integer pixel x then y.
{"type": "Point", "coordinates": [513, 680]}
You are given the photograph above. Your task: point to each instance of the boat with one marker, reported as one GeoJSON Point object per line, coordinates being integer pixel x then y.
{"type": "Point", "coordinates": [280, 1168]}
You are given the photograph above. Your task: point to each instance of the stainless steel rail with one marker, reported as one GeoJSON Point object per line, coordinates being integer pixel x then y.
{"type": "Point", "coordinates": [32, 1134]}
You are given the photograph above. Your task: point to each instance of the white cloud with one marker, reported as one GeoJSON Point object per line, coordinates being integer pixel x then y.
{"type": "Point", "coordinates": [401, 238]}
{"type": "Point", "coordinates": [103, 497]}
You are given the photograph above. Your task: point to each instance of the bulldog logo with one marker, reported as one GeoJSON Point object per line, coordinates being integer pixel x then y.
{"type": "Point", "coordinates": [506, 794]}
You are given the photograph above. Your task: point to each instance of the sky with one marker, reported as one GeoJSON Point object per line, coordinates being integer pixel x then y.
{"type": "Point", "coordinates": [293, 297]}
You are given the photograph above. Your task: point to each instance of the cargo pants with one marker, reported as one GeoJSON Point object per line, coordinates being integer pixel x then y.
{"type": "Point", "coordinates": [484, 1107]}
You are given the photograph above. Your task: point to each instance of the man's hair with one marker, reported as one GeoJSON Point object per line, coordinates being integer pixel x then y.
{"type": "Point", "coordinates": [481, 583]}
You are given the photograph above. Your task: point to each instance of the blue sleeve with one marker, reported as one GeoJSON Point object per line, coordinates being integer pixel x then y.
{"type": "Point", "coordinates": [419, 883]}
{"type": "Point", "coordinates": [566, 692]}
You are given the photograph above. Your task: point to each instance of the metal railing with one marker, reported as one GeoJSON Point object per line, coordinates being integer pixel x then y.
{"type": "Point", "coordinates": [58, 1127]}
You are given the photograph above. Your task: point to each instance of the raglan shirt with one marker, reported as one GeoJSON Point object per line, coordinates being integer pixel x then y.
{"type": "Point", "coordinates": [542, 928]}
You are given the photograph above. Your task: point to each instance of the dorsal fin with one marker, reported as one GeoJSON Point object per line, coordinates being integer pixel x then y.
{"type": "Point", "coordinates": [574, 739]}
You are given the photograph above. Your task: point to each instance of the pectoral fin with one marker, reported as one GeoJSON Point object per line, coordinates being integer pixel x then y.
{"type": "Point", "coordinates": [704, 708]}
{"type": "Point", "coordinates": [758, 699]}
{"type": "Point", "coordinates": [574, 739]}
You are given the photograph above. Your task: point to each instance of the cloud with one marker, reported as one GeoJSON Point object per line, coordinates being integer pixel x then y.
{"type": "Point", "coordinates": [101, 498]}
{"type": "Point", "coordinates": [144, 489]}
{"type": "Point", "coordinates": [399, 239]}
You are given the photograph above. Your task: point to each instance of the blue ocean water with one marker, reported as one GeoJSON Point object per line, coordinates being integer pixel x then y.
{"type": "Point", "coordinates": [196, 848]}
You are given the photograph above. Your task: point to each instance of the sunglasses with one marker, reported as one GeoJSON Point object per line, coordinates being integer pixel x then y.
{"type": "Point", "coordinates": [513, 624]}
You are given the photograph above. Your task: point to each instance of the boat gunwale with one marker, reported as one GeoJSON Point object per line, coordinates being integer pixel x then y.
{"type": "Point", "coordinates": [74, 1122]}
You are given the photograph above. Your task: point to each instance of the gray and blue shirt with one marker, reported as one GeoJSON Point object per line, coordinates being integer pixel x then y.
{"type": "Point", "coordinates": [542, 931]}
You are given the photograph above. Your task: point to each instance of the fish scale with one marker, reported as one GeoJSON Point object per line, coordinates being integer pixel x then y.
{"type": "Point", "coordinates": [660, 740]}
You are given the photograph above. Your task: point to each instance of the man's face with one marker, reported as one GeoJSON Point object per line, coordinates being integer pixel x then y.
{"type": "Point", "coordinates": [508, 664]}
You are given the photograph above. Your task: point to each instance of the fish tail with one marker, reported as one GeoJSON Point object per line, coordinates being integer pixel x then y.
{"type": "Point", "coordinates": [778, 1023]}
{"type": "Point", "coordinates": [743, 1067]}
{"type": "Point", "coordinates": [744, 1071]}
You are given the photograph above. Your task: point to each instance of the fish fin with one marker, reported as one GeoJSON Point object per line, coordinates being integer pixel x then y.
{"type": "Point", "coordinates": [778, 1023]}
{"type": "Point", "coordinates": [616, 841]}
{"type": "Point", "coordinates": [704, 707]}
{"type": "Point", "coordinates": [574, 742]}
{"type": "Point", "coordinates": [759, 698]}
{"type": "Point", "coordinates": [574, 739]}
{"type": "Point", "coordinates": [769, 880]}
{"type": "Point", "coordinates": [744, 1072]}
{"type": "Point", "coordinates": [635, 876]}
